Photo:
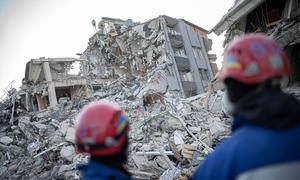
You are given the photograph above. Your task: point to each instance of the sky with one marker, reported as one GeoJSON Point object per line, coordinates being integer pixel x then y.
{"type": "Point", "coordinates": [32, 29]}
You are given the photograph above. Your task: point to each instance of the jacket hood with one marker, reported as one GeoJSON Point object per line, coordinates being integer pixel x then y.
{"type": "Point", "coordinates": [268, 107]}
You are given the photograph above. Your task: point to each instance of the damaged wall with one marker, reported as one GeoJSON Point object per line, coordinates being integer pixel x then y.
{"type": "Point", "coordinates": [279, 19]}
{"type": "Point", "coordinates": [44, 77]}
{"type": "Point", "coordinates": [162, 44]}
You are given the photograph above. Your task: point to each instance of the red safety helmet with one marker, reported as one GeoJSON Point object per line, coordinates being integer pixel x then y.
{"type": "Point", "coordinates": [101, 129]}
{"type": "Point", "coordinates": [253, 59]}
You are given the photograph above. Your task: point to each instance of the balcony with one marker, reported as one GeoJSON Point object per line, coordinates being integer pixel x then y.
{"type": "Point", "coordinates": [176, 40]}
{"type": "Point", "coordinates": [183, 63]}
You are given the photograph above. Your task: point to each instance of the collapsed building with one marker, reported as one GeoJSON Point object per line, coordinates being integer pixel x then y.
{"type": "Point", "coordinates": [173, 52]}
{"type": "Point", "coordinates": [279, 19]}
{"type": "Point", "coordinates": [162, 54]}
{"type": "Point", "coordinates": [157, 71]}
{"type": "Point", "coordinates": [51, 80]}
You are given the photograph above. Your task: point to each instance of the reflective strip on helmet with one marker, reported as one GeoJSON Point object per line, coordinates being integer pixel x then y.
{"type": "Point", "coordinates": [122, 123]}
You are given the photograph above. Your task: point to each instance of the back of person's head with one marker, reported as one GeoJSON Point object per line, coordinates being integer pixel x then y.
{"type": "Point", "coordinates": [102, 130]}
{"type": "Point", "coordinates": [253, 62]}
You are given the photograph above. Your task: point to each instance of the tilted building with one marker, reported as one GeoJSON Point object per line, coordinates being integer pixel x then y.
{"type": "Point", "coordinates": [165, 51]}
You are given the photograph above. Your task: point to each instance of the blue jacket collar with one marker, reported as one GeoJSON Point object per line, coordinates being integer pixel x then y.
{"type": "Point", "coordinates": [95, 170]}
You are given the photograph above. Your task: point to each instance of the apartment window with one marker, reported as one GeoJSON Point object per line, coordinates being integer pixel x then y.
{"type": "Point", "coordinates": [173, 31]}
{"type": "Point", "coordinates": [200, 60]}
{"type": "Point", "coordinates": [195, 53]}
{"type": "Point", "coordinates": [179, 52]}
{"type": "Point", "coordinates": [204, 74]}
{"type": "Point", "coordinates": [186, 76]}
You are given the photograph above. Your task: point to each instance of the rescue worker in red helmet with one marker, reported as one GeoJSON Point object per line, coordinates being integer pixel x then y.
{"type": "Point", "coordinates": [265, 140]}
{"type": "Point", "coordinates": [102, 132]}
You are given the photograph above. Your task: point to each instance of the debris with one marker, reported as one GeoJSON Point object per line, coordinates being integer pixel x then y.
{"type": "Point", "coordinates": [178, 140]}
{"type": "Point", "coordinates": [154, 153]}
{"type": "Point", "coordinates": [176, 152]}
{"type": "Point", "coordinates": [141, 173]}
{"type": "Point", "coordinates": [170, 174]}
{"type": "Point", "coordinates": [169, 162]}
{"type": "Point", "coordinates": [70, 135]}
{"type": "Point", "coordinates": [33, 147]}
{"type": "Point", "coordinates": [188, 151]}
{"type": "Point", "coordinates": [216, 127]}
{"type": "Point", "coordinates": [139, 160]}
{"type": "Point", "coordinates": [142, 67]}
{"type": "Point", "coordinates": [6, 140]}
{"type": "Point", "coordinates": [49, 149]}
{"type": "Point", "coordinates": [67, 152]}
{"type": "Point", "coordinates": [197, 158]}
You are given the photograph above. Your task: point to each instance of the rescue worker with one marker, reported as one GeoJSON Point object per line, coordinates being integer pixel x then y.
{"type": "Point", "coordinates": [265, 140]}
{"type": "Point", "coordinates": [102, 132]}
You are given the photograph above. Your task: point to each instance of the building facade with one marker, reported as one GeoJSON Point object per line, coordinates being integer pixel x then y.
{"type": "Point", "coordinates": [279, 19]}
{"type": "Point", "coordinates": [175, 47]}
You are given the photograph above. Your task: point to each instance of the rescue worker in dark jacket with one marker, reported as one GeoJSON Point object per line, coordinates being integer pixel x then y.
{"type": "Point", "coordinates": [265, 140]}
{"type": "Point", "coordinates": [102, 132]}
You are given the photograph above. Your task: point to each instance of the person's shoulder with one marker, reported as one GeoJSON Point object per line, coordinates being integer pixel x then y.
{"type": "Point", "coordinates": [224, 158]}
{"type": "Point", "coordinates": [95, 170]}
{"type": "Point", "coordinates": [221, 160]}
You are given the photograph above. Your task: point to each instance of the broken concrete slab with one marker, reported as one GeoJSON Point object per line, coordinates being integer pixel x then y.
{"type": "Point", "coordinates": [216, 127]}
{"type": "Point", "coordinates": [63, 128]}
{"type": "Point", "coordinates": [67, 152]}
{"type": "Point", "coordinates": [139, 161]}
{"type": "Point", "coordinates": [172, 173]}
{"type": "Point", "coordinates": [33, 147]}
{"type": "Point", "coordinates": [70, 134]}
{"type": "Point", "coordinates": [6, 140]}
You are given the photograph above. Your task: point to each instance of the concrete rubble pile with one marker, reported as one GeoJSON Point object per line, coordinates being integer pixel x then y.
{"type": "Point", "coordinates": [172, 129]}
{"type": "Point", "coordinates": [39, 145]}
{"type": "Point", "coordinates": [167, 141]}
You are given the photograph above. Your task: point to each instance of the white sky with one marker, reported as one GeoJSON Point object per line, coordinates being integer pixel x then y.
{"type": "Point", "coordinates": [61, 28]}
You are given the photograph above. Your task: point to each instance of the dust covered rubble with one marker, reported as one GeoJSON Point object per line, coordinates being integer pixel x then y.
{"type": "Point", "coordinates": [36, 145]}
{"type": "Point", "coordinates": [169, 135]}
{"type": "Point", "coordinates": [173, 140]}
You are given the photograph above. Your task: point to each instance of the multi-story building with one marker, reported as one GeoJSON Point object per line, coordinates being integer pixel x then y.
{"type": "Point", "coordinates": [280, 19]}
{"type": "Point", "coordinates": [188, 46]}
{"type": "Point", "coordinates": [161, 54]}
{"type": "Point", "coordinates": [177, 46]}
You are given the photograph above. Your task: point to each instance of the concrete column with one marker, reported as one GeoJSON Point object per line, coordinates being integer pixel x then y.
{"type": "Point", "coordinates": [204, 53]}
{"type": "Point", "coordinates": [192, 59]}
{"type": "Point", "coordinates": [51, 87]}
{"type": "Point", "coordinates": [169, 50]}
{"type": "Point", "coordinates": [27, 101]}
